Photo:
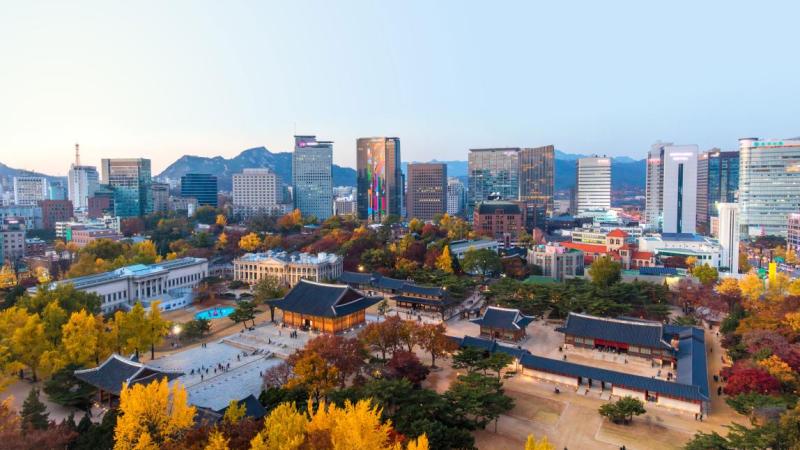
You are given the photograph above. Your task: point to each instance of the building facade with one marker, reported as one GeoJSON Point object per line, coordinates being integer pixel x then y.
{"type": "Point", "coordinates": [717, 181]}
{"type": "Point", "coordinates": [769, 184]}
{"type": "Point", "coordinates": [679, 189]}
{"type": "Point", "coordinates": [537, 182]}
{"type": "Point", "coordinates": [12, 240]}
{"type": "Point", "coordinates": [380, 178]}
{"type": "Point", "coordinates": [593, 184]}
{"type": "Point", "coordinates": [728, 214]}
{"type": "Point", "coordinates": [257, 191]}
{"type": "Point", "coordinates": [426, 193]}
{"type": "Point", "coordinates": [793, 232]}
{"type": "Point", "coordinates": [499, 220]}
{"type": "Point", "coordinates": [55, 211]}
{"type": "Point", "coordinates": [493, 172]}
{"type": "Point", "coordinates": [83, 236]}
{"type": "Point", "coordinates": [344, 206]}
{"type": "Point", "coordinates": [202, 186]}
{"type": "Point", "coordinates": [312, 179]}
{"type": "Point", "coordinates": [288, 268]}
{"type": "Point", "coordinates": [29, 190]}
{"type": "Point", "coordinates": [130, 179]}
{"type": "Point", "coordinates": [456, 197]}
{"type": "Point", "coordinates": [160, 193]}
{"type": "Point", "coordinates": [654, 184]}
{"type": "Point", "coordinates": [556, 261]}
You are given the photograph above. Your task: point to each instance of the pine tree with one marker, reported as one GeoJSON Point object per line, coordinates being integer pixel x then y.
{"type": "Point", "coordinates": [34, 413]}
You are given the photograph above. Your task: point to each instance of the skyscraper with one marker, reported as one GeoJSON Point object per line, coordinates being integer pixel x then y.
{"type": "Point", "coordinates": [29, 190]}
{"type": "Point", "coordinates": [653, 184]}
{"type": "Point", "coordinates": [728, 214]}
{"type": "Point", "coordinates": [201, 186]}
{"type": "Point", "coordinates": [380, 188]}
{"type": "Point", "coordinates": [257, 191]}
{"type": "Point", "coordinates": [456, 196]}
{"type": "Point", "coordinates": [493, 172]}
{"type": "Point", "coordinates": [717, 181]}
{"type": "Point", "coordinates": [769, 184]}
{"type": "Point", "coordinates": [312, 180]}
{"type": "Point", "coordinates": [160, 193]}
{"type": "Point", "coordinates": [593, 184]}
{"type": "Point", "coordinates": [702, 192]}
{"type": "Point", "coordinates": [536, 177]}
{"type": "Point", "coordinates": [426, 193]}
{"type": "Point", "coordinates": [130, 179]}
{"type": "Point", "coordinates": [82, 181]}
{"type": "Point", "coordinates": [679, 189]}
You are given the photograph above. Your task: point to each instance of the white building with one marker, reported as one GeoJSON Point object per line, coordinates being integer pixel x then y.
{"type": "Point", "coordinates": [289, 268]}
{"type": "Point", "coordinates": [458, 248]}
{"type": "Point", "coordinates": [105, 222]}
{"type": "Point", "coordinates": [170, 282]}
{"type": "Point", "coordinates": [706, 250]}
{"type": "Point", "coordinates": [653, 185]}
{"type": "Point", "coordinates": [671, 190]}
{"type": "Point", "coordinates": [593, 184]}
{"type": "Point", "coordinates": [82, 183]}
{"type": "Point", "coordinates": [728, 214]}
{"type": "Point", "coordinates": [557, 262]}
{"type": "Point", "coordinates": [257, 191]}
{"type": "Point", "coordinates": [344, 206]}
{"type": "Point", "coordinates": [456, 196]}
{"type": "Point", "coordinates": [769, 184]}
{"type": "Point", "coordinates": [29, 191]}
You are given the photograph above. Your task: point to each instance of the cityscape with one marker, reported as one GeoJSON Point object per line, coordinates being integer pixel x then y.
{"type": "Point", "coordinates": [369, 291]}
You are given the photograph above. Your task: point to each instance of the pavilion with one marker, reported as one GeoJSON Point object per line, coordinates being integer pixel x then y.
{"type": "Point", "coordinates": [330, 308]}
{"type": "Point", "coordinates": [505, 324]}
{"type": "Point", "coordinates": [117, 370]}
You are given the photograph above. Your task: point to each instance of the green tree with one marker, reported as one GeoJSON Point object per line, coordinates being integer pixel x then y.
{"type": "Point", "coordinates": [206, 215]}
{"type": "Point", "coordinates": [245, 310]}
{"type": "Point", "coordinates": [623, 409]}
{"type": "Point", "coordinates": [706, 274]}
{"type": "Point", "coordinates": [605, 272]}
{"type": "Point", "coordinates": [268, 288]}
{"type": "Point", "coordinates": [34, 413]}
{"type": "Point", "coordinates": [469, 358]}
{"type": "Point", "coordinates": [479, 397]}
{"type": "Point", "coordinates": [483, 262]}
{"type": "Point", "coordinates": [53, 317]}
{"type": "Point", "coordinates": [66, 390]}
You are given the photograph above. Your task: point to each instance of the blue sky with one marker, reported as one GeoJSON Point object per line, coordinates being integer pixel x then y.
{"type": "Point", "coordinates": [162, 79]}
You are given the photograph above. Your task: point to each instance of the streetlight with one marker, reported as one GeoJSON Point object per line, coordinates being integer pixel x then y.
{"type": "Point", "coordinates": [360, 267]}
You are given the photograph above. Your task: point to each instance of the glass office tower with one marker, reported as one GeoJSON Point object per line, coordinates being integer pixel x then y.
{"type": "Point", "coordinates": [312, 179]}
{"type": "Point", "coordinates": [130, 179]}
{"type": "Point", "coordinates": [202, 186]}
{"type": "Point", "coordinates": [380, 178]}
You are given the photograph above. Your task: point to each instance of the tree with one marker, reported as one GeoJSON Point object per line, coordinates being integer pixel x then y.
{"type": "Point", "coordinates": [706, 274]}
{"type": "Point", "coordinates": [79, 339]}
{"type": "Point", "coordinates": [420, 443]}
{"type": "Point", "coordinates": [66, 390]}
{"type": "Point", "coordinates": [748, 403]}
{"type": "Point", "coordinates": [196, 328]}
{"type": "Point", "coordinates": [347, 355]}
{"type": "Point", "coordinates": [605, 272]}
{"type": "Point", "coordinates": [206, 215]}
{"type": "Point", "coordinates": [407, 365]}
{"type": "Point", "coordinates": [234, 412]}
{"type": "Point", "coordinates": [284, 429]}
{"type": "Point", "coordinates": [29, 344]}
{"type": "Point", "coordinates": [381, 336]}
{"type": "Point", "coordinates": [315, 375]}
{"type": "Point", "coordinates": [53, 317]}
{"type": "Point", "coordinates": [623, 410]}
{"type": "Point", "coordinates": [151, 415]}
{"type": "Point", "coordinates": [532, 444]}
{"type": "Point", "coordinates": [445, 262]}
{"type": "Point", "coordinates": [469, 358]}
{"type": "Point", "coordinates": [744, 379]}
{"type": "Point", "coordinates": [479, 397]}
{"type": "Point", "coordinates": [433, 339]}
{"type": "Point", "coordinates": [498, 361]}
{"type": "Point", "coordinates": [752, 287]}
{"type": "Point", "coordinates": [158, 327]}
{"type": "Point", "coordinates": [34, 413]}
{"type": "Point", "coordinates": [482, 262]}
{"type": "Point", "coordinates": [217, 440]}
{"type": "Point", "coordinates": [245, 310]}
{"type": "Point", "coordinates": [779, 369]}
{"type": "Point", "coordinates": [268, 288]}
{"type": "Point", "coordinates": [249, 242]}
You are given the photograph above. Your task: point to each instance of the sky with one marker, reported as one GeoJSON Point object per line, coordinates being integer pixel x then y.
{"type": "Point", "coordinates": [162, 79]}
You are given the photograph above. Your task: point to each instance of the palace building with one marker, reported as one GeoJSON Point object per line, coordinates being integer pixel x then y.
{"type": "Point", "coordinates": [117, 370]}
{"type": "Point", "coordinates": [289, 268]}
{"type": "Point", "coordinates": [403, 293]}
{"type": "Point", "coordinates": [503, 324]}
{"type": "Point", "coordinates": [329, 308]}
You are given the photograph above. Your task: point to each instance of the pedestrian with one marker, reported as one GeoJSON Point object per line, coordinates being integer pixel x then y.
{"type": "Point", "coordinates": [201, 377]}
{"type": "Point", "coordinates": [565, 357]}
{"type": "Point", "coordinates": [695, 416]}
{"type": "Point", "coordinates": [719, 391]}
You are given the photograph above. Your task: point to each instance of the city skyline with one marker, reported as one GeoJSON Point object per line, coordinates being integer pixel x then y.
{"type": "Point", "coordinates": [209, 80]}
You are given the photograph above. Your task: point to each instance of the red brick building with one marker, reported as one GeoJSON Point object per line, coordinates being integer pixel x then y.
{"type": "Point", "coordinates": [616, 248]}
{"type": "Point", "coordinates": [55, 211]}
{"type": "Point", "coordinates": [499, 220]}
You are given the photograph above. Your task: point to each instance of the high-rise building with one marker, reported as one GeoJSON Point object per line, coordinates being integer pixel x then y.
{"type": "Point", "coordinates": [717, 181]}
{"type": "Point", "coordinates": [769, 184]}
{"type": "Point", "coordinates": [653, 184]}
{"type": "Point", "coordinates": [312, 179]}
{"type": "Point", "coordinates": [55, 211]}
{"type": "Point", "coordinates": [380, 178]}
{"type": "Point", "coordinates": [728, 214]}
{"type": "Point", "coordinates": [82, 181]}
{"type": "Point", "coordinates": [679, 189]}
{"type": "Point", "coordinates": [130, 179]}
{"type": "Point", "coordinates": [426, 193]}
{"type": "Point", "coordinates": [456, 196]}
{"type": "Point", "coordinates": [257, 191]}
{"type": "Point", "coordinates": [29, 190]}
{"type": "Point", "coordinates": [160, 192]}
{"type": "Point", "coordinates": [202, 186]}
{"type": "Point", "coordinates": [537, 179]}
{"type": "Point", "coordinates": [593, 184]}
{"type": "Point", "coordinates": [493, 173]}
{"type": "Point", "coordinates": [793, 232]}
{"type": "Point", "coordinates": [56, 191]}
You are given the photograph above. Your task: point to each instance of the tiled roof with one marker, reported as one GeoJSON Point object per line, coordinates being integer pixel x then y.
{"type": "Point", "coordinates": [620, 379]}
{"type": "Point", "coordinates": [503, 318]}
{"type": "Point", "coordinates": [616, 232]}
{"type": "Point", "coordinates": [116, 370]}
{"type": "Point", "coordinates": [643, 333]}
{"type": "Point", "coordinates": [587, 248]}
{"type": "Point", "coordinates": [411, 288]}
{"type": "Point", "coordinates": [355, 277]}
{"type": "Point", "coordinates": [642, 255]}
{"type": "Point", "coordinates": [323, 300]}
{"type": "Point", "coordinates": [491, 346]}
{"type": "Point", "coordinates": [252, 407]}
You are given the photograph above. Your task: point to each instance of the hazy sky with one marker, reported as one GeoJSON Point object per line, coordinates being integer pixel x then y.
{"type": "Point", "coordinates": [162, 79]}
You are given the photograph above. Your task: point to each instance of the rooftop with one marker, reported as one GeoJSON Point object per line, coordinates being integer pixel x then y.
{"type": "Point", "coordinates": [635, 332]}
{"type": "Point", "coordinates": [117, 370]}
{"type": "Point", "coordinates": [498, 207]}
{"type": "Point", "coordinates": [324, 300]}
{"type": "Point", "coordinates": [294, 257]}
{"type": "Point", "coordinates": [503, 318]}
{"type": "Point", "coordinates": [128, 271]}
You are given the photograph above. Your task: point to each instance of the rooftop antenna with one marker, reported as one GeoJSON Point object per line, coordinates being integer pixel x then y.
{"type": "Point", "coordinates": [77, 154]}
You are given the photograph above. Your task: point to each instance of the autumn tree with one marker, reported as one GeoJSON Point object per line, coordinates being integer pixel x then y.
{"type": "Point", "coordinates": [234, 412]}
{"type": "Point", "coordinates": [605, 272]}
{"type": "Point", "coordinates": [158, 327]}
{"type": "Point", "coordinates": [151, 415]}
{"type": "Point", "coordinates": [407, 365]}
{"type": "Point", "coordinates": [347, 355]}
{"type": "Point", "coordinates": [29, 344]}
{"type": "Point", "coordinates": [284, 429]}
{"type": "Point", "coordinates": [706, 274]}
{"type": "Point", "coordinates": [250, 242]}
{"type": "Point", "coordinates": [745, 379]}
{"type": "Point", "coordinates": [217, 440]}
{"type": "Point", "coordinates": [751, 287]}
{"type": "Point", "coordinates": [53, 318]}
{"type": "Point", "coordinates": [542, 444]}
{"type": "Point", "coordinates": [314, 374]}
{"type": "Point", "coordinates": [433, 339]}
{"type": "Point", "coordinates": [80, 339]}
{"type": "Point", "coordinates": [445, 262]}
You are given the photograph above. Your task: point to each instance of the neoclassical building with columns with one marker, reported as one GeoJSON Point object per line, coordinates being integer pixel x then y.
{"type": "Point", "coordinates": [289, 268]}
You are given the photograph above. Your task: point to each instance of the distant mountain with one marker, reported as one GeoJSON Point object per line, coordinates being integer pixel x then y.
{"type": "Point", "coordinates": [454, 168]}
{"type": "Point", "coordinates": [9, 173]}
{"type": "Point", "coordinates": [280, 163]}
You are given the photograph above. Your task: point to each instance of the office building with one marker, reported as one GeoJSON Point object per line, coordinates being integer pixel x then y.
{"type": "Point", "coordinates": [56, 191]}
{"type": "Point", "coordinates": [498, 220]}
{"type": "Point", "coordinates": [728, 214]}
{"type": "Point", "coordinates": [671, 188]}
{"type": "Point", "coordinates": [29, 190]}
{"type": "Point", "coordinates": [456, 197]}
{"type": "Point", "coordinates": [12, 240]}
{"type": "Point", "coordinates": [130, 179]}
{"type": "Point", "coordinates": [81, 182]}
{"type": "Point", "coordinates": [55, 211]}
{"type": "Point", "coordinates": [183, 205]}
{"type": "Point", "coordinates": [769, 184]}
{"type": "Point", "coordinates": [426, 192]}
{"type": "Point", "coordinates": [83, 236]}
{"type": "Point", "coordinates": [287, 268]}
{"type": "Point", "coordinates": [257, 191]}
{"type": "Point", "coordinates": [706, 250]}
{"type": "Point", "coordinates": [459, 248]}
{"type": "Point", "coordinates": [170, 282]}
{"type": "Point", "coordinates": [793, 232]}
{"type": "Point", "coordinates": [380, 178]}
{"type": "Point", "coordinates": [593, 184]}
{"type": "Point", "coordinates": [717, 181]}
{"type": "Point", "coordinates": [344, 206]}
{"type": "Point", "coordinates": [653, 185]}
{"type": "Point", "coordinates": [202, 186]}
{"type": "Point", "coordinates": [493, 173]}
{"type": "Point", "coordinates": [537, 183]}
{"type": "Point", "coordinates": [556, 261]}
{"type": "Point", "coordinates": [312, 179]}
{"type": "Point", "coordinates": [64, 229]}
{"type": "Point", "coordinates": [160, 193]}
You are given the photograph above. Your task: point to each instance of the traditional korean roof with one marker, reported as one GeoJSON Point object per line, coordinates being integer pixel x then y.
{"type": "Point", "coordinates": [324, 300]}
{"type": "Point", "coordinates": [692, 359]}
{"type": "Point", "coordinates": [503, 318]}
{"type": "Point", "coordinates": [635, 332]}
{"type": "Point", "coordinates": [252, 407]}
{"type": "Point", "coordinates": [379, 281]}
{"type": "Point", "coordinates": [410, 288]}
{"type": "Point", "coordinates": [355, 277]}
{"type": "Point", "coordinates": [667, 388]}
{"type": "Point", "coordinates": [117, 370]}
{"type": "Point", "coordinates": [491, 346]}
